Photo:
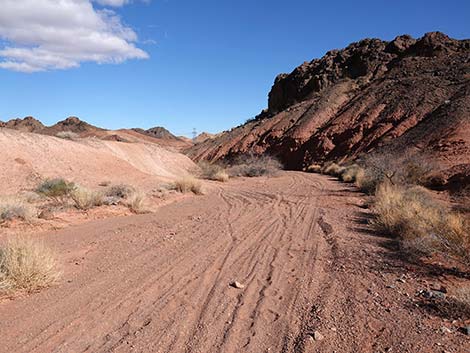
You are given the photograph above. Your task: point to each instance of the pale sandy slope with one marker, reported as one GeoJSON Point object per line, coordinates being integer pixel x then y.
{"type": "Point", "coordinates": [160, 282]}
{"type": "Point", "coordinates": [27, 158]}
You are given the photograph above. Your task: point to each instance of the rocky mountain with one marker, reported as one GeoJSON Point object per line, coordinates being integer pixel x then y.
{"type": "Point", "coordinates": [158, 132]}
{"type": "Point", "coordinates": [409, 93]}
{"type": "Point", "coordinates": [75, 125]}
{"type": "Point", "coordinates": [28, 124]}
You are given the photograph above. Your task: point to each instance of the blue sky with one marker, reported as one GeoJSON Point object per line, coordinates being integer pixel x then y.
{"type": "Point", "coordinates": [210, 63]}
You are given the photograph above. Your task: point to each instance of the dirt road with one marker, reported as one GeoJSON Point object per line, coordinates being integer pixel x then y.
{"type": "Point", "coordinates": [161, 282]}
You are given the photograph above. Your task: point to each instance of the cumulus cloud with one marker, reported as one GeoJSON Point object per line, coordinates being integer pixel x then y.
{"type": "Point", "coordinates": [116, 3]}
{"type": "Point", "coordinates": [45, 35]}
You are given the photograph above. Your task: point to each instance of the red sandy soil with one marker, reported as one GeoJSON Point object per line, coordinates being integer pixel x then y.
{"type": "Point", "coordinates": [27, 158]}
{"type": "Point", "coordinates": [300, 246]}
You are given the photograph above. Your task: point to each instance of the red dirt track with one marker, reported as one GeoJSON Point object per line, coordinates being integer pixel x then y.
{"type": "Point", "coordinates": [161, 282]}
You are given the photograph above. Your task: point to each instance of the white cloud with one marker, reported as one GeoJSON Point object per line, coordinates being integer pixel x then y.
{"type": "Point", "coordinates": [116, 3]}
{"type": "Point", "coordinates": [60, 34]}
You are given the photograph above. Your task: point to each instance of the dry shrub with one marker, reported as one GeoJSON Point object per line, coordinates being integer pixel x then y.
{"type": "Point", "coordinates": [255, 166]}
{"type": "Point", "coordinates": [462, 295]}
{"type": "Point", "coordinates": [333, 169]}
{"type": "Point", "coordinates": [120, 191]}
{"type": "Point", "coordinates": [85, 199]}
{"type": "Point", "coordinates": [213, 171]}
{"type": "Point", "coordinates": [11, 209]}
{"type": "Point", "coordinates": [314, 168]}
{"type": "Point", "coordinates": [67, 135]}
{"type": "Point", "coordinates": [136, 202]}
{"type": "Point", "coordinates": [421, 223]}
{"type": "Point", "coordinates": [396, 169]}
{"type": "Point", "coordinates": [351, 173]}
{"type": "Point", "coordinates": [188, 184]}
{"type": "Point", "coordinates": [26, 264]}
{"type": "Point", "coordinates": [56, 189]}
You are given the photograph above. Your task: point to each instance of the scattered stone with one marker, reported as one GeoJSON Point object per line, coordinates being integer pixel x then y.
{"type": "Point", "coordinates": [317, 336]}
{"type": "Point", "coordinates": [444, 330]}
{"type": "Point", "coordinates": [237, 285]}
{"type": "Point", "coordinates": [465, 330]}
{"type": "Point", "coordinates": [46, 214]}
{"type": "Point", "coordinates": [428, 294]}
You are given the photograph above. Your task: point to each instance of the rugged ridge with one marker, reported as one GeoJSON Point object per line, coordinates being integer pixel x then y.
{"type": "Point", "coordinates": [370, 94]}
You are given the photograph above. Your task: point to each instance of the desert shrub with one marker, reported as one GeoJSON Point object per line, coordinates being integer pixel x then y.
{"type": "Point", "coordinates": [406, 169]}
{"type": "Point", "coordinates": [188, 184]}
{"type": "Point", "coordinates": [333, 169]}
{"type": "Point", "coordinates": [254, 166]}
{"type": "Point", "coordinates": [314, 168]}
{"type": "Point", "coordinates": [351, 173]}
{"type": "Point", "coordinates": [56, 189]}
{"type": "Point", "coordinates": [26, 264]}
{"type": "Point", "coordinates": [422, 224]}
{"type": "Point", "coordinates": [120, 191]}
{"type": "Point", "coordinates": [85, 199]}
{"type": "Point", "coordinates": [136, 202]}
{"type": "Point", "coordinates": [67, 135]}
{"type": "Point", "coordinates": [16, 209]}
{"type": "Point", "coordinates": [213, 171]}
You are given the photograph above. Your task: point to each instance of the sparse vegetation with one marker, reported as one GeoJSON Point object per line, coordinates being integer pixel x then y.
{"type": "Point", "coordinates": [333, 169]}
{"type": "Point", "coordinates": [120, 191]}
{"type": "Point", "coordinates": [255, 166]}
{"type": "Point", "coordinates": [67, 135]}
{"type": "Point", "coordinates": [11, 209]}
{"type": "Point", "coordinates": [422, 224]}
{"type": "Point", "coordinates": [84, 199]}
{"type": "Point", "coordinates": [26, 264]}
{"type": "Point", "coordinates": [314, 168]}
{"type": "Point", "coordinates": [212, 171]}
{"type": "Point", "coordinates": [409, 169]}
{"type": "Point", "coordinates": [188, 184]}
{"type": "Point", "coordinates": [56, 189]}
{"type": "Point", "coordinates": [136, 202]}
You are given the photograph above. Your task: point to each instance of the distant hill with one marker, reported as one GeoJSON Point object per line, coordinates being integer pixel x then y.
{"type": "Point", "coordinates": [82, 129]}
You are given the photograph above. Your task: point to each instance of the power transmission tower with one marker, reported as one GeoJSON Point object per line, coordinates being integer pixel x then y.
{"type": "Point", "coordinates": [194, 133]}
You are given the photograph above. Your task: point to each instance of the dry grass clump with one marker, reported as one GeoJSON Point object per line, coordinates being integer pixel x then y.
{"type": "Point", "coordinates": [314, 168]}
{"type": "Point", "coordinates": [26, 264]}
{"type": "Point", "coordinates": [213, 171]}
{"type": "Point", "coordinates": [56, 189]}
{"type": "Point", "coordinates": [351, 173]}
{"type": "Point", "coordinates": [255, 166]}
{"type": "Point", "coordinates": [11, 209]}
{"type": "Point", "coordinates": [188, 184]}
{"type": "Point", "coordinates": [136, 202]}
{"type": "Point", "coordinates": [84, 199]}
{"type": "Point", "coordinates": [67, 135]}
{"type": "Point", "coordinates": [333, 169]}
{"type": "Point", "coordinates": [120, 191]}
{"type": "Point", "coordinates": [422, 224]}
{"type": "Point", "coordinates": [407, 169]}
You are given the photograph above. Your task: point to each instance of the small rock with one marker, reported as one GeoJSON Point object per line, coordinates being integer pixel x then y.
{"type": "Point", "coordinates": [317, 336]}
{"type": "Point", "coordinates": [237, 285]}
{"type": "Point", "coordinates": [401, 280]}
{"type": "Point", "coordinates": [46, 214]}
{"type": "Point", "coordinates": [465, 330]}
{"type": "Point", "coordinates": [444, 329]}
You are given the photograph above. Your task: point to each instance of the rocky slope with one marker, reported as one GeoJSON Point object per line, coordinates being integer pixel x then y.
{"type": "Point", "coordinates": [409, 93]}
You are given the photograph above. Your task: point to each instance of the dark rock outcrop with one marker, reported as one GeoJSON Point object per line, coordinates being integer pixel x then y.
{"type": "Point", "coordinates": [412, 94]}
